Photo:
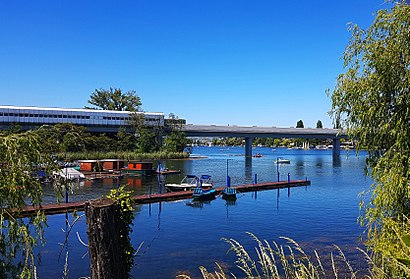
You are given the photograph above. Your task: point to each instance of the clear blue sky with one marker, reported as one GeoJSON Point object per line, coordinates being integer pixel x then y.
{"type": "Point", "coordinates": [264, 63]}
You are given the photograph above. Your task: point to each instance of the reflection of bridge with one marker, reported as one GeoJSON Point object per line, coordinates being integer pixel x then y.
{"type": "Point", "coordinates": [249, 133]}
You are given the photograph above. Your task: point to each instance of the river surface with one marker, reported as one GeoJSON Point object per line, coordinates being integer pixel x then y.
{"type": "Point", "coordinates": [178, 237]}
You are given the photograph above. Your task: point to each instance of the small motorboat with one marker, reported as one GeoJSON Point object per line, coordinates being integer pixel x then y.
{"type": "Point", "coordinates": [203, 194]}
{"type": "Point", "coordinates": [165, 171]}
{"type": "Point", "coordinates": [190, 182]}
{"type": "Point", "coordinates": [282, 161]}
{"type": "Point", "coordinates": [229, 193]}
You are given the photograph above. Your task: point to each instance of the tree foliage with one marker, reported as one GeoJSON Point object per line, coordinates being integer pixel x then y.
{"type": "Point", "coordinates": [319, 125]}
{"type": "Point", "coordinates": [300, 124]}
{"type": "Point", "coordinates": [372, 100]}
{"type": "Point", "coordinates": [21, 156]}
{"type": "Point", "coordinates": [115, 99]}
{"type": "Point", "coordinates": [175, 142]}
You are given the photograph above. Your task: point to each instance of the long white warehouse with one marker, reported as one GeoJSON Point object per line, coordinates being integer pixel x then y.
{"type": "Point", "coordinates": [85, 117]}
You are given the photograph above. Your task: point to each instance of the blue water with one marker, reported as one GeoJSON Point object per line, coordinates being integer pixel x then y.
{"type": "Point", "coordinates": [180, 236]}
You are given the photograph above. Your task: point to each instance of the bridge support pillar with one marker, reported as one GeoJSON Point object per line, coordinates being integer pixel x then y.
{"type": "Point", "coordinates": [248, 147]}
{"type": "Point", "coordinates": [336, 147]}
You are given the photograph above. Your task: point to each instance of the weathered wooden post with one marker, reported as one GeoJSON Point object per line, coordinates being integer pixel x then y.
{"type": "Point", "coordinates": [104, 247]}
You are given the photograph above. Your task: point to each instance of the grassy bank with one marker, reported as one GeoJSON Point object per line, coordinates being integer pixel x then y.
{"type": "Point", "coordinates": [126, 155]}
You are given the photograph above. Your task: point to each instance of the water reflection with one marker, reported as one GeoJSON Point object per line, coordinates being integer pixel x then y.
{"type": "Point", "coordinates": [319, 162]}
{"type": "Point", "coordinates": [230, 202]}
{"type": "Point", "coordinates": [300, 167]}
{"type": "Point", "coordinates": [248, 168]}
{"type": "Point", "coordinates": [337, 163]}
{"type": "Point", "coordinates": [198, 204]}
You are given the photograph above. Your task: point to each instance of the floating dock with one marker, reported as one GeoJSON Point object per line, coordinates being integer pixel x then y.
{"type": "Point", "coordinates": [50, 209]}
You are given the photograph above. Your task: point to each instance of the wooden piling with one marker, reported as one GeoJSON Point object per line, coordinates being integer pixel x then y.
{"type": "Point", "coordinates": [103, 230]}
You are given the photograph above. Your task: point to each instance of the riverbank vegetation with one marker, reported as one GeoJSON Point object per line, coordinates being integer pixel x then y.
{"type": "Point", "coordinates": [275, 261]}
{"type": "Point", "coordinates": [71, 142]}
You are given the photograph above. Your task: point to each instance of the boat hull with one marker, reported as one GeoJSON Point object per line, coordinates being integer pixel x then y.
{"type": "Point", "coordinates": [181, 187]}
{"type": "Point", "coordinates": [205, 195]}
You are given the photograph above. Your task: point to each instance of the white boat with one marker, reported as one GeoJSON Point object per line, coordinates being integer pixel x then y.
{"type": "Point", "coordinates": [282, 161]}
{"type": "Point", "coordinates": [70, 174]}
{"type": "Point", "coordinates": [190, 182]}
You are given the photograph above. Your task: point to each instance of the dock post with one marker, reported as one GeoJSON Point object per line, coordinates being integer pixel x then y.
{"type": "Point", "coordinates": [278, 176]}
{"type": "Point", "coordinates": [288, 177]}
{"type": "Point", "coordinates": [256, 178]}
{"type": "Point", "coordinates": [248, 147]}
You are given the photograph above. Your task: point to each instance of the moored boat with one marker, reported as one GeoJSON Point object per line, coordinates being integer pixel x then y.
{"type": "Point", "coordinates": [164, 170]}
{"type": "Point", "coordinates": [203, 194]}
{"type": "Point", "coordinates": [190, 182]}
{"type": "Point", "coordinates": [229, 193]}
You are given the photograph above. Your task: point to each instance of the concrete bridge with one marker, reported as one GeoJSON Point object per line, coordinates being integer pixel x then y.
{"type": "Point", "coordinates": [99, 121]}
{"type": "Point", "coordinates": [249, 133]}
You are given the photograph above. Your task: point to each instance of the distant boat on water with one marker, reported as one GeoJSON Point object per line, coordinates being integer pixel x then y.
{"type": "Point", "coordinates": [282, 161]}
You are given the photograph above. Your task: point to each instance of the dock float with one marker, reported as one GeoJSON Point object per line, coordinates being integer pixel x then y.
{"type": "Point", "coordinates": [50, 209]}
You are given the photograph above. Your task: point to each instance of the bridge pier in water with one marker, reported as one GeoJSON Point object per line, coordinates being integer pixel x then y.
{"type": "Point", "coordinates": [336, 147]}
{"type": "Point", "coordinates": [248, 147]}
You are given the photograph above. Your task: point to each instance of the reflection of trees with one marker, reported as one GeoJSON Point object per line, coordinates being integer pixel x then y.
{"type": "Point", "coordinates": [300, 168]}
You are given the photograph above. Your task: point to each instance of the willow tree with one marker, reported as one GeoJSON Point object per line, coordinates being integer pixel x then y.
{"type": "Point", "coordinates": [21, 156]}
{"type": "Point", "coordinates": [372, 100]}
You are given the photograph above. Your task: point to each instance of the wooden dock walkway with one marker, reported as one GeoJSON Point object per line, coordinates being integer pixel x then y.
{"type": "Point", "coordinates": [50, 209]}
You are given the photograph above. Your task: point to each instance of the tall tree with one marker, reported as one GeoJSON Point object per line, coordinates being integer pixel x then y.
{"type": "Point", "coordinates": [372, 98]}
{"type": "Point", "coordinates": [115, 99]}
{"type": "Point", "coordinates": [319, 124]}
{"type": "Point", "coordinates": [299, 124]}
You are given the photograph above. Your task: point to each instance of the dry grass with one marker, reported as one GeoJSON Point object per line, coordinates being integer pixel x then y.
{"type": "Point", "coordinates": [282, 261]}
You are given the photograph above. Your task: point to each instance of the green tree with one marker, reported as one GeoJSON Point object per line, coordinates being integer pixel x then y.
{"type": "Point", "coordinates": [319, 124]}
{"type": "Point", "coordinates": [147, 141]}
{"type": "Point", "coordinates": [115, 99]}
{"type": "Point", "coordinates": [21, 156]}
{"type": "Point", "coordinates": [126, 141]}
{"type": "Point", "coordinates": [175, 142]}
{"type": "Point", "coordinates": [372, 98]}
{"type": "Point", "coordinates": [299, 124]}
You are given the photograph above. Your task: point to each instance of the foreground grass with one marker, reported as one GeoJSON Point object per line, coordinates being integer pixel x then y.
{"type": "Point", "coordinates": [125, 155]}
{"type": "Point", "coordinates": [289, 261]}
